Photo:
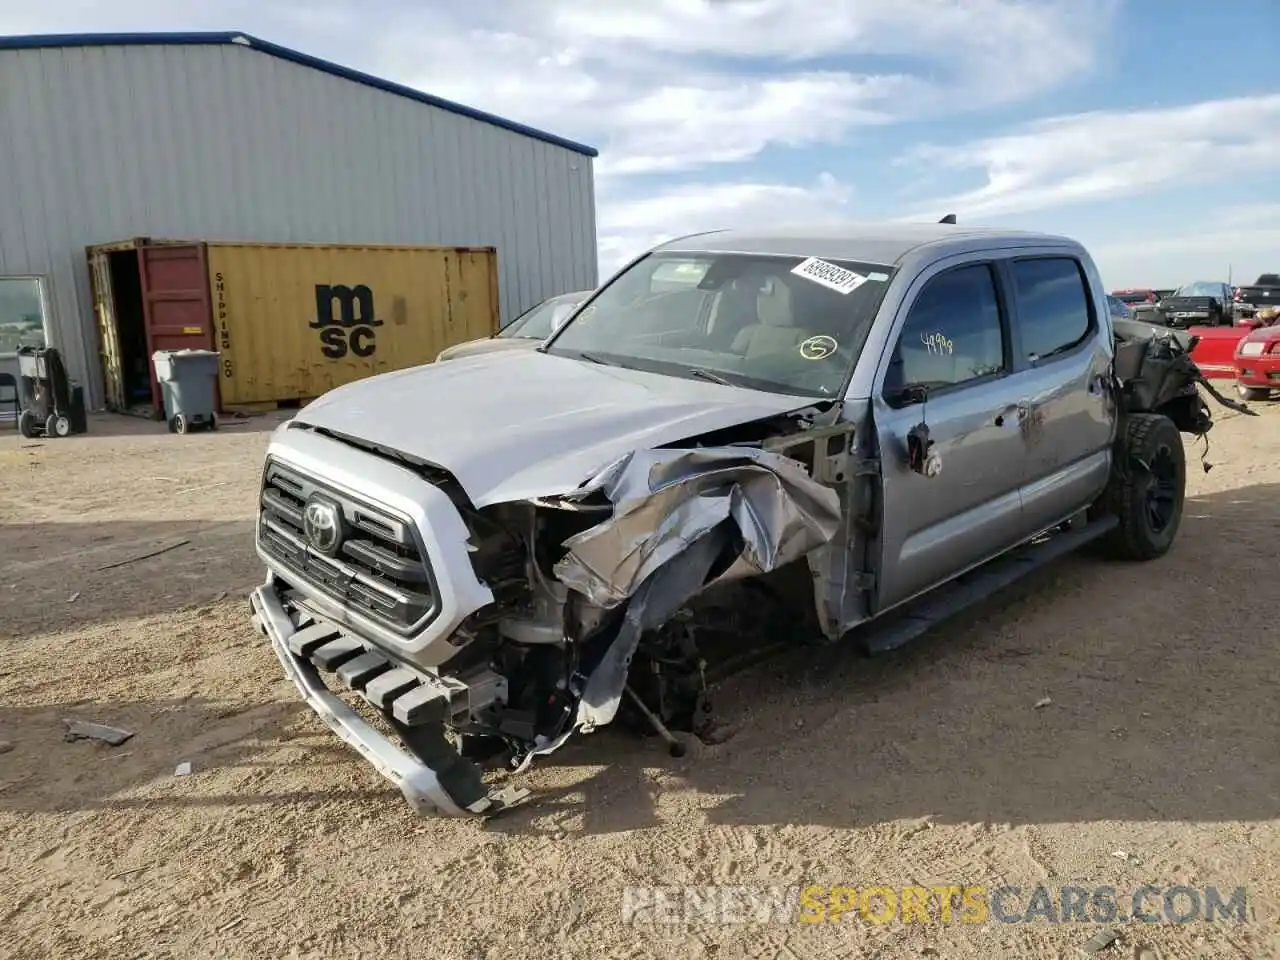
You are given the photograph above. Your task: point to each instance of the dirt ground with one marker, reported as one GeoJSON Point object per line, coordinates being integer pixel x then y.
{"type": "Point", "coordinates": [937, 765]}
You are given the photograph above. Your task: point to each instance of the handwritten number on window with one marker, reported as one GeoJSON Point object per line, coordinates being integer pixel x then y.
{"type": "Point", "coordinates": [937, 343]}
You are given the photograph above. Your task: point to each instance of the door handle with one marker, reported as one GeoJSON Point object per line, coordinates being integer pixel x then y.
{"type": "Point", "coordinates": [1016, 410]}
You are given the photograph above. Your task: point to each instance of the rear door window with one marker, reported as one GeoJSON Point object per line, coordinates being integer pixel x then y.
{"type": "Point", "coordinates": [1054, 310]}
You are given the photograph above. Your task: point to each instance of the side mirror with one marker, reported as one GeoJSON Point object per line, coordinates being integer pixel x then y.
{"type": "Point", "coordinates": [910, 395]}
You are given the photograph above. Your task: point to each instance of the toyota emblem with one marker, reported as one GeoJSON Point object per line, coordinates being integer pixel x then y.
{"type": "Point", "coordinates": [322, 524]}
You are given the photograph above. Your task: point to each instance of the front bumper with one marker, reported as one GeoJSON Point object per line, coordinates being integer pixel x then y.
{"type": "Point", "coordinates": [1182, 320]}
{"type": "Point", "coordinates": [1262, 371]}
{"type": "Point", "coordinates": [420, 784]}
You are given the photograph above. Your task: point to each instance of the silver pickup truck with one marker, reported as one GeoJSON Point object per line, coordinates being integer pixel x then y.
{"type": "Point", "coordinates": [806, 433]}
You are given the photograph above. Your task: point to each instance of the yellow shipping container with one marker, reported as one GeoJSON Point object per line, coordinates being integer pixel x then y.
{"type": "Point", "coordinates": [292, 321]}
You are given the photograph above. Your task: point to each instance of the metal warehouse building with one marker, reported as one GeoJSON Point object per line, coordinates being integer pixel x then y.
{"type": "Point", "coordinates": [225, 137]}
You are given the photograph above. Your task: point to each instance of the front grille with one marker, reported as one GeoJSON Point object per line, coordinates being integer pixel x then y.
{"type": "Point", "coordinates": [380, 568]}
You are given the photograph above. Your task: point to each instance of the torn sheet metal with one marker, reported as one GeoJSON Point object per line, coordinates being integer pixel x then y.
{"type": "Point", "coordinates": [680, 514]}
{"type": "Point", "coordinates": [665, 500]}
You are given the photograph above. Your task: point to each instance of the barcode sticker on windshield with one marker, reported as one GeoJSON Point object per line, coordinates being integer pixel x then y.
{"type": "Point", "coordinates": [829, 275]}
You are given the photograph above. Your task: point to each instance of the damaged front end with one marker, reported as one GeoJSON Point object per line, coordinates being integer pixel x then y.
{"type": "Point", "coordinates": [597, 603]}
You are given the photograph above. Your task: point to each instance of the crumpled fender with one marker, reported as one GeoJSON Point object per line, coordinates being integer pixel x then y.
{"type": "Point", "coordinates": [684, 520]}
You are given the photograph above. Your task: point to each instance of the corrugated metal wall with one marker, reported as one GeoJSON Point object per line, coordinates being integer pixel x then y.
{"type": "Point", "coordinates": [228, 143]}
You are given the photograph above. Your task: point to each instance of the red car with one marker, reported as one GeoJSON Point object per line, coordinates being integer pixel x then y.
{"type": "Point", "coordinates": [1215, 349]}
{"type": "Point", "coordinates": [1131, 297]}
{"type": "Point", "coordinates": [1257, 363]}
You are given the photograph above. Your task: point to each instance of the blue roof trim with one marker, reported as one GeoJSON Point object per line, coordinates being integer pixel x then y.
{"type": "Point", "coordinates": [48, 41]}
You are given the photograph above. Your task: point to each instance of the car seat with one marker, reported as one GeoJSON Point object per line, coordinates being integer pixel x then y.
{"type": "Point", "coordinates": [776, 331]}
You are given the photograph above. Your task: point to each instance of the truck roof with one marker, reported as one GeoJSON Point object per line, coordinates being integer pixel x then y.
{"type": "Point", "coordinates": [880, 243]}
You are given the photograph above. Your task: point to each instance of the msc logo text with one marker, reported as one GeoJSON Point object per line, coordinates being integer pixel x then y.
{"type": "Point", "coordinates": [351, 328]}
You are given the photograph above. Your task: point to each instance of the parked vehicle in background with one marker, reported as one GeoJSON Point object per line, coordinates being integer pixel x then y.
{"type": "Point", "coordinates": [1242, 309]}
{"type": "Point", "coordinates": [1264, 292]}
{"type": "Point", "coordinates": [813, 427]}
{"type": "Point", "coordinates": [525, 331]}
{"type": "Point", "coordinates": [1141, 302]}
{"type": "Point", "coordinates": [1257, 362]}
{"type": "Point", "coordinates": [1202, 303]}
{"type": "Point", "coordinates": [1214, 348]}
{"type": "Point", "coordinates": [1118, 308]}
{"type": "Point", "coordinates": [1134, 297]}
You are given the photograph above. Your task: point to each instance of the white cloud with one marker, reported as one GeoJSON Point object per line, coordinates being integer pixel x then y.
{"type": "Point", "coordinates": [630, 226]}
{"type": "Point", "coordinates": [964, 37]}
{"type": "Point", "coordinates": [1107, 154]}
{"type": "Point", "coordinates": [674, 85]}
{"type": "Point", "coordinates": [717, 120]}
{"type": "Point", "coordinates": [1253, 214]}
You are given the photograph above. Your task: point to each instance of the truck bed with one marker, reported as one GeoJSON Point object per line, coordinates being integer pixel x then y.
{"type": "Point", "coordinates": [1185, 311]}
{"type": "Point", "coordinates": [1261, 296]}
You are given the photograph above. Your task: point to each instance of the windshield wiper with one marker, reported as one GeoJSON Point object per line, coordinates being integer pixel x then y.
{"type": "Point", "coordinates": [711, 375]}
{"type": "Point", "coordinates": [595, 358]}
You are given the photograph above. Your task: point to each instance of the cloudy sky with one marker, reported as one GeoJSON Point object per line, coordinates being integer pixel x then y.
{"type": "Point", "coordinates": [1150, 129]}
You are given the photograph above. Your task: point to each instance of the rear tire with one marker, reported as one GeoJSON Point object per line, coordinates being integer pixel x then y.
{"type": "Point", "coordinates": [1255, 394]}
{"type": "Point", "coordinates": [179, 423]}
{"type": "Point", "coordinates": [62, 427]}
{"type": "Point", "coordinates": [1147, 489]}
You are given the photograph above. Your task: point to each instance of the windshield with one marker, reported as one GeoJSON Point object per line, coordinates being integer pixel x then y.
{"type": "Point", "coordinates": [1198, 290]}
{"type": "Point", "coordinates": [784, 324]}
{"type": "Point", "coordinates": [544, 319]}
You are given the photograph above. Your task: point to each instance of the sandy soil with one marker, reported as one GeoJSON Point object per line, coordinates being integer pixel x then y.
{"type": "Point", "coordinates": [932, 766]}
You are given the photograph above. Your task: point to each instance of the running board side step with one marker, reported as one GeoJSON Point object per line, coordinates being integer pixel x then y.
{"type": "Point", "coordinates": [977, 585]}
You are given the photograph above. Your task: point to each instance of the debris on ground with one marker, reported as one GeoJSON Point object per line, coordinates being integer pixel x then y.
{"type": "Point", "coordinates": [145, 556]}
{"type": "Point", "coordinates": [1099, 941]}
{"type": "Point", "coordinates": [1044, 702]}
{"type": "Point", "coordinates": [87, 730]}
{"type": "Point", "coordinates": [183, 769]}
{"type": "Point", "coordinates": [74, 597]}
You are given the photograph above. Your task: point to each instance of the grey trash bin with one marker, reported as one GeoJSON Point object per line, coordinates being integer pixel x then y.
{"type": "Point", "coordinates": [187, 379]}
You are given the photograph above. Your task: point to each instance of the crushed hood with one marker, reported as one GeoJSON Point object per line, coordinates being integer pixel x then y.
{"type": "Point", "coordinates": [517, 424]}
